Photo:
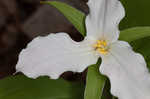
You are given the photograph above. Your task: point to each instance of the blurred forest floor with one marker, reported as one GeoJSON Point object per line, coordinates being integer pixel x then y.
{"type": "Point", "coordinates": [23, 20]}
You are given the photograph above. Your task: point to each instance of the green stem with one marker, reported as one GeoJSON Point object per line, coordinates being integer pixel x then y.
{"type": "Point", "coordinates": [95, 83]}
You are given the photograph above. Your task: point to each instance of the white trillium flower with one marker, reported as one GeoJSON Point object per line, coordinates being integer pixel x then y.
{"type": "Point", "coordinates": [56, 53]}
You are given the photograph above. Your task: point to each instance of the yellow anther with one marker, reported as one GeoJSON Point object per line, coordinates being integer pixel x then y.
{"type": "Point", "coordinates": [96, 45]}
{"type": "Point", "coordinates": [104, 43]}
{"type": "Point", "coordinates": [101, 46]}
{"type": "Point", "coordinates": [98, 42]}
{"type": "Point", "coordinates": [102, 51]}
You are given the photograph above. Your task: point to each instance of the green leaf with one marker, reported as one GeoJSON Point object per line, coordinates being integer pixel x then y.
{"type": "Point", "coordinates": [95, 83]}
{"type": "Point", "coordinates": [133, 34]}
{"type": "Point", "coordinates": [142, 46]}
{"type": "Point", "coordinates": [20, 87]}
{"type": "Point", "coordinates": [137, 13]}
{"type": "Point", "coordinates": [114, 97]}
{"type": "Point", "coordinates": [74, 16]}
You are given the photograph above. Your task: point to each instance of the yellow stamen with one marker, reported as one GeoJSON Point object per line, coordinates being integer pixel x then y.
{"type": "Point", "coordinates": [101, 46]}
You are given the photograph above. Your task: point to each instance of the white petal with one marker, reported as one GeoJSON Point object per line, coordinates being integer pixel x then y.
{"type": "Point", "coordinates": [127, 72]}
{"type": "Point", "coordinates": [54, 54]}
{"type": "Point", "coordinates": [104, 18]}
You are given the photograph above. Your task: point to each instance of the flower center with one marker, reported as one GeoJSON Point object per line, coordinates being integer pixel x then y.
{"type": "Point", "coordinates": [101, 46]}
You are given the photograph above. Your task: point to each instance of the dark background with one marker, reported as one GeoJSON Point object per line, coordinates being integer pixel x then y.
{"type": "Point", "coordinates": [23, 20]}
